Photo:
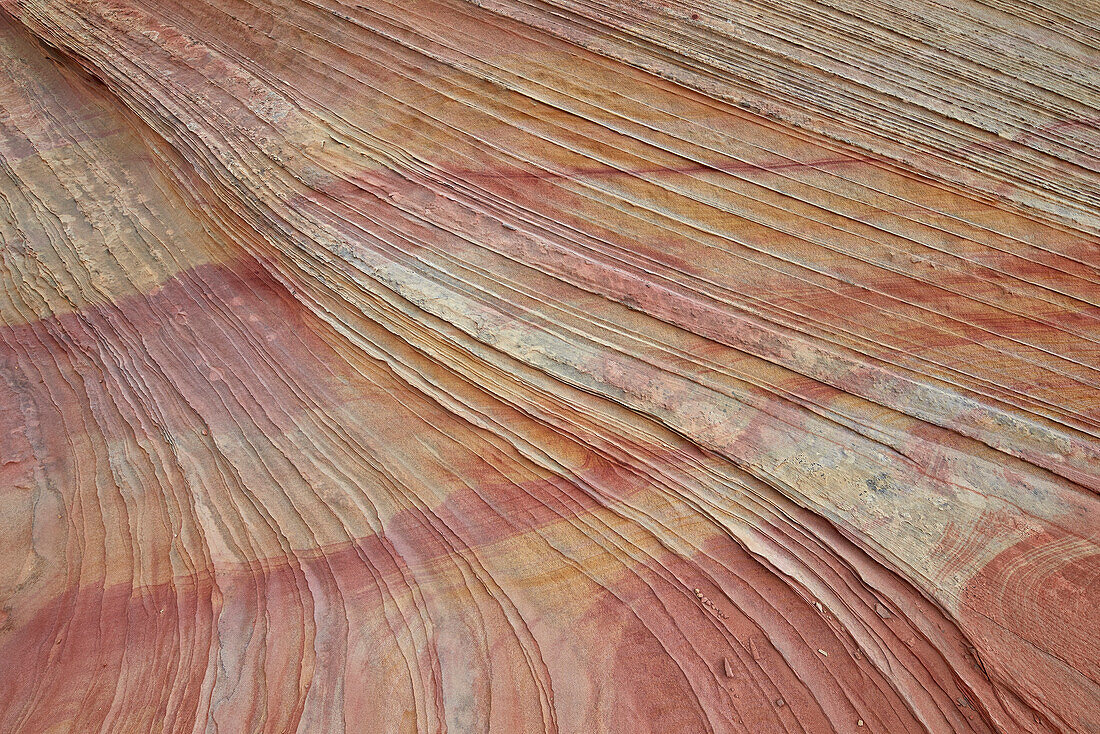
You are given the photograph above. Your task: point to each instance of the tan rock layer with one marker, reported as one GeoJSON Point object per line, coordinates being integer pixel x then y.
{"type": "Point", "coordinates": [434, 365]}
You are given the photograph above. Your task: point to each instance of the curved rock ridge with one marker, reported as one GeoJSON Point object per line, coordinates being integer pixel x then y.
{"type": "Point", "coordinates": [524, 366]}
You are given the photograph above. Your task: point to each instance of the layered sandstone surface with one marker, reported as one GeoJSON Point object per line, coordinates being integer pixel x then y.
{"type": "Point", "coordinates": [547, 365]}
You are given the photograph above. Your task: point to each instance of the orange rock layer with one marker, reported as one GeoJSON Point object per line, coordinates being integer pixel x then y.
{"type": "Point", "coordinates": [540, 365]}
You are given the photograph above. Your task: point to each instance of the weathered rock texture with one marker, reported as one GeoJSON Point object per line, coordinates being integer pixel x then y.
{"type": "Point", "coordinates": [546, 365]}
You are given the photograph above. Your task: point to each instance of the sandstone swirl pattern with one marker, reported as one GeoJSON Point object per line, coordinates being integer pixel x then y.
{"type": "Point", "coordinates": [547, 365]}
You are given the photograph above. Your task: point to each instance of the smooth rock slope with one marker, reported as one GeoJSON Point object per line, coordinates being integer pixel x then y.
{"type": "Point", "coordinates": [544, 365]}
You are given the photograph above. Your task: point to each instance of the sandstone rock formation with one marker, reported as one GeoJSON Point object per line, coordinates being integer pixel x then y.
{"type": "Point", "coordinates": [548, 365]}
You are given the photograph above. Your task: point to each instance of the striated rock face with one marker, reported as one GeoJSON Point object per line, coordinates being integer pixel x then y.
{"type": "Point", "coordinates": [549, 366]}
